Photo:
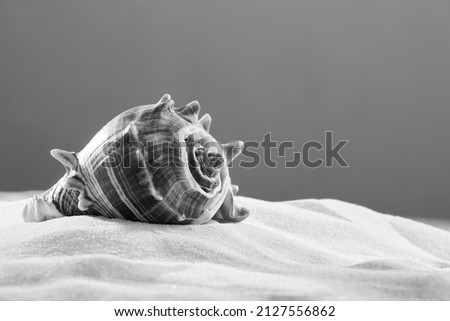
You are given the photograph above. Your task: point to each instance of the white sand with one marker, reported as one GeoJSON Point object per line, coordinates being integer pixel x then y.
{"type": "Point", "coordinates": [300, 250]}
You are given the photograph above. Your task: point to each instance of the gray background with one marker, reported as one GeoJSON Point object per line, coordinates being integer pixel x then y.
{"type": "Point", "coordinates": [375, 72]}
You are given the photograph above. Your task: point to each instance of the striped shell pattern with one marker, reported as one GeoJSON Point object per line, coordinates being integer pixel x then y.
{"type": "Point", "coordinates": [153, 163]}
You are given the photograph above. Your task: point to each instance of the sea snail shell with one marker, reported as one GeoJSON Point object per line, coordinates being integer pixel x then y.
{"type": "Point", "coordinates": [153, 163]}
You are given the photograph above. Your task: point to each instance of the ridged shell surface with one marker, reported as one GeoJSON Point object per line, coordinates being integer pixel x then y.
{"type": "Point", "coordinates": [153, 163]}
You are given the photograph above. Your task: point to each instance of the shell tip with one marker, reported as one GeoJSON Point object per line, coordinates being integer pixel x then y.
{"type": "Point", "coordinates": [165, 98]}
{"type": "Point", "coordinates": [205, 121]}
{"type": "Point", "coordinates": [68, 159]}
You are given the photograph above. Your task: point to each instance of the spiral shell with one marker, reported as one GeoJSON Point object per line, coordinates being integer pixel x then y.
{"type": "Point", "coordinates": [153, 163]}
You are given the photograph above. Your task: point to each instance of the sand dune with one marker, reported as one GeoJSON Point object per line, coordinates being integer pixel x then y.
{"type": "Point", "coordinates": [300, 250]}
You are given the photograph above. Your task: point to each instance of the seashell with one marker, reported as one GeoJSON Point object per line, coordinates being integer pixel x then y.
{"type": "Point", "coordinates": [153, 163]}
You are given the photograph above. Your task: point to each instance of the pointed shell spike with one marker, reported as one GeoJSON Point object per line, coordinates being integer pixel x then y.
{"type": "Point", "coordinates": [164, 103]}
{"type": "Point", "coordinates": [205, 121]}
{"type": "Point", "coordinates": [191, 109]}
{"type": "Point", "coordinates": [164, 98]}
{"type": "Point", "coordinates": [232, 150]}
{"type": "Point", "coordinates": [68, 159]}
{"type": "Point", "coordinates": [235, 189]}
